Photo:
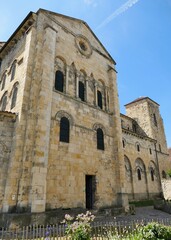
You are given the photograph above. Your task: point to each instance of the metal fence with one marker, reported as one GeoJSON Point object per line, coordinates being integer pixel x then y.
{"type": "Point", "coordinates": [100, 230]}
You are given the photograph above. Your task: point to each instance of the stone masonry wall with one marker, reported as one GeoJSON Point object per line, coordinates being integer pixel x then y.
{"type": "Point", "coordinates": [7, 131]}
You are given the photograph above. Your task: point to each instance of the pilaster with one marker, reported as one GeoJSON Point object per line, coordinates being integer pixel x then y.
{"type": "Point", "coordinates": [117, 134]}
{"type": "Point", "coordinates": [41, 150]}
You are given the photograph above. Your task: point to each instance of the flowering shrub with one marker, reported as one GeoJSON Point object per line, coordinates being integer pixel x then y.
{"type": "Point", "coordinates": [79, 229]}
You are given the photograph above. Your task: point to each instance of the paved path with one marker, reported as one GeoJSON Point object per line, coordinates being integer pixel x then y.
{"type": "Point", "coordinates": [141, 213]}
{"type": "Point", "coordinates": [145, 213]}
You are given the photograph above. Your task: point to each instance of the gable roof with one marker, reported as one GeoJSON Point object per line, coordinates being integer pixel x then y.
{"type": "Point", "coordinates": [140, 99]}
{"type": "Point", "coordinates": [30, 16]}
{"type": "Point", "coordinates": [79, 21]}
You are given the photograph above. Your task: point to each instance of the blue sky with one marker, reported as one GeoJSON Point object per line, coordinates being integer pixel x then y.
{"type": "Point", "coordinates": [137, 34]}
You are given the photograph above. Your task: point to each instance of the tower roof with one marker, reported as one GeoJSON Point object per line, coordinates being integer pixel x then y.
{"type": "Point", "coordinates": [139, 100]}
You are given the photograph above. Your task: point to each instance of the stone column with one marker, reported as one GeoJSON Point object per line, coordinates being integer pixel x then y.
{"type": "Point", "coordinates": [86, 91]}
{"type": "Point", "coordinates": [106, 99]}
{"type": "Point", "coordinates": [95, 94]}
{"type": "Point", "coordinates": [77, 83]}
{"type": "Point", "coordinates": [66, 79]}
{"type": "Point", "coordinates": [117, 137]}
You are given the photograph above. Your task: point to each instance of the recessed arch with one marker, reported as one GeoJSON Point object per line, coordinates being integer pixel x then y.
{"type": "Point", "coordinates": [13, 94]}
{"type": "Point", "coordinates": [61, 114]}
{"type": "Point", "coordinates": [140, 163]}
{"type": "Point", "coordinates": [101, 82]}
{"type": "Point", "coordinates": [83, 72]}
{"type": "Point", "coordinates": [3, 101]}
{"type": "Point", "coordinates": [140, 168]}
{"type": "Point", "coordinates": [13, 69]}
{"type": "Point", "coordinates": [128, 166]}
{"type": "Point", "coordinates": [99, 125]}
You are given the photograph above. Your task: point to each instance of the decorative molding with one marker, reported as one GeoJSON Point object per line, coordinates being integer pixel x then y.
{"type": "Point", "coordinates": [83, 45]}
{"type": "Point", "coordinates": [61, 114]}
{"type": "Point", "coordinates": [99, 125]}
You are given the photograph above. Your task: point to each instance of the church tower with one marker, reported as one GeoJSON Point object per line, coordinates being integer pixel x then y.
{"type": "Point", "coordinates": [146, 112]}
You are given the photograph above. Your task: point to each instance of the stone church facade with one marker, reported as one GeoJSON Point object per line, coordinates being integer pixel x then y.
{"type": "Point", "coordinates": [64, 143]}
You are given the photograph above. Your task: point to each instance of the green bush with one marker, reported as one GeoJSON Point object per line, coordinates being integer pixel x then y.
{"type": "Point", "coordinates": [155, 231]}
{"type": "Point", "coordinates": [169, 172]}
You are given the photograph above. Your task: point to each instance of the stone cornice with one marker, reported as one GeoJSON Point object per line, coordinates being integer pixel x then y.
{"type": "Point", "coordinates": [19, 32]}
{"type": "Point", "coordinates": [129, 132]}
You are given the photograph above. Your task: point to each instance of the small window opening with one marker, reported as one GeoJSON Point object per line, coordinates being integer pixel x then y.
{"type": "Point", "coordinates": [100, 139]}
{"type": "Point", "coordinates": [64, 130]}
{"type": "Point", "coordinates": [150, 150]}
{"type": "Point", "coordinates": [152, 174]}
{"type": "Point", "coordinates": [81, 91]}
{"type": "Point", "coordinates": [99, 99]}
{"type": "Point", "coordinates": [163, 174]}
{"type": "Point", "coordinates": [138, 147]}
{"type": "Point", "coordinates": [139, 174]}
{"type": "Point", "coordinates": [155, 119]}
{"type": "Point", "coordinates": [59, 81]}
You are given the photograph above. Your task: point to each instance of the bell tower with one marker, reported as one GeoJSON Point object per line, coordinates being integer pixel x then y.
{"type": "Point", "coordinates": [146, 112]}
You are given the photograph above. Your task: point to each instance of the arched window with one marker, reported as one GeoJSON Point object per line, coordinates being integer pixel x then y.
{"type": "Point", "coordinates": [59, 81]}
{"type": "Point", "coordinates": [139, 174]}
{"type": "Point", "coordinates": [14, 97]}
{"type": "Point", "coordinates": [155, 119]}
{"type": "Point", "coordinates": [99, 99]}
{"type": "Point", "coordinates": [81, 91]}
{"type": "Point", "coordinates": [13, 69]}
{"type": "Point", "coordinates": [152, 174]}
{"type": "Point", "coordinates": [138, 147]}
{"type": "Point", "coordinates": [64, 130]}
{"type": "Point", "coordinates": [4, 103]}
{"type": "Point", "coordinates": [3, 82]}
{"type": "Point", "coordinates": [100, 139]}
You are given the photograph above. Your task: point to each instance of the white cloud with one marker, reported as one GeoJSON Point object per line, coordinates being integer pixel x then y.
{"type": "Point", "coordinates": [91, 2]}
{"type": "Point", "coordinates": [88, 2]}
{"type": "Point", "coordinates": [117, 12]}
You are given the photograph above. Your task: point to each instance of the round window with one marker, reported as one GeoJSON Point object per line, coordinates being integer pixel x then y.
{"type": "Point", "coordinates": [83, 45]}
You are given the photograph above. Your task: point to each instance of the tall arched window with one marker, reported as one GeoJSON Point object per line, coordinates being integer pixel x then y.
{"type": "Point", "coordinates": [155, 119]}
{"type": "Point", "coordinates": [3, 82]}
{"type": "Point", "coordinates": [81, 91]}
{"type": "Point", "coordinates": [4, 103]}
{"type": "Point", "coordinates": [152, 174]}
{"type": "Point", "coordinates": [13, 70]}
{"type": "Point", "coordinates": [100, 139]}
{"type": "Point", "coordinates": [99, 99]}
{"type": "Point", "coordinates": [64, 130]}
{"type": "Point", "coordinates": [138, 147]}
{"type": "Point", "coordinates": [139, 174]}
{"type": "Point", "coordinates": [14, 97]}
{"type": "Point", "coordinates": [59, 81]}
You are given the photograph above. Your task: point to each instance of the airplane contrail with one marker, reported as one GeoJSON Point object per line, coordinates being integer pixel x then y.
{"type": "Point", "coordinates": [118, 11]}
